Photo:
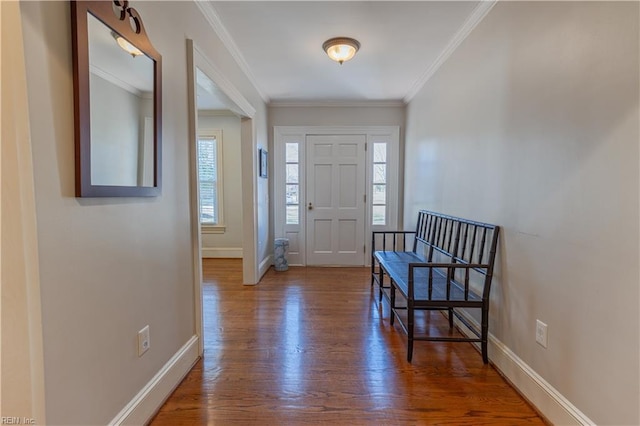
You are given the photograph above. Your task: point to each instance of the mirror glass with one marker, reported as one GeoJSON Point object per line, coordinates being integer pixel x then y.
{"type": "Point", "coordinates": [121, 110]}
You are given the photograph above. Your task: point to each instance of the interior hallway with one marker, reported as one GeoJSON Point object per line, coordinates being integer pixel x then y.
{"type": "Point", "coordinates": [313, 345]}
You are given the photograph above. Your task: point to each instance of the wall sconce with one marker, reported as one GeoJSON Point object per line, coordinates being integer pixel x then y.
{"type": "Point", "coordinates": [341, 49]}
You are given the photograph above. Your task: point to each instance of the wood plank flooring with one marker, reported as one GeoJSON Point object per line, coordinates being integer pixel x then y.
{"type": "Point", "coordinates": [314, 346]}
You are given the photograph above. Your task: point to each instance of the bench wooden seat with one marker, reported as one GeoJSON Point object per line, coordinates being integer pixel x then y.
{"type": "Point", "coordinates": [446, 263]}
{"type": "Point", "coordinates": [400, 274]}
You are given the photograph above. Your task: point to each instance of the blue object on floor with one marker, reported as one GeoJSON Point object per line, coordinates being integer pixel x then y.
{"type": "Point", "coordinates": [281, 246]}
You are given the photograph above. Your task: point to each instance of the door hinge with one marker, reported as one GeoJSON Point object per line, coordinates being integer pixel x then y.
{"type": "Point", "coordinates": [364, 248]}
{"type": "Point", "coordinates": [365, 146]}
{"type": "Point", "coordinates": [365, 198]}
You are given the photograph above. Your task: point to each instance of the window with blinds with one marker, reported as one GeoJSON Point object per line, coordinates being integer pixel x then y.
{"type": "Point", "coordinates": [208, 179]}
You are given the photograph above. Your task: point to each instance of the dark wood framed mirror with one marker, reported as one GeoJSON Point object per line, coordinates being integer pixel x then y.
{"type": "Point", "coordinates": [117, 78]}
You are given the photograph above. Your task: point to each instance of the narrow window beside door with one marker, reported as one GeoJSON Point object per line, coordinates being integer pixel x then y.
{"type": "Point", "coordinates": [292, 182]}
{"type": "Point", "coordinates": [379, 193]}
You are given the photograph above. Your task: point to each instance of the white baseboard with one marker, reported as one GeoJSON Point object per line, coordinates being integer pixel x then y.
{"type": "Point", "coordinates": [548, 401]}
{"type": "Point", "coordinates": [222, 252]}
{"type": "Point", "coordinates": [148, 401]}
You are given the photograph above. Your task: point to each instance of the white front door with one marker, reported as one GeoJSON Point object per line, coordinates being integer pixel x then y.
{"type": "Point", "coordinates": [335, 219]}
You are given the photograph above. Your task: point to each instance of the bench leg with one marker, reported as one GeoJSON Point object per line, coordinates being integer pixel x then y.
{"type": "Point", "coordinates": [381, 282]}
{"type": "Point", "coordinates": [373, 269]}
{"type": "Point", "coordinates": [409, 330]}
{"type": "Point", "coordinates": [450, 318]}
{"type": "Point", "coordinates": [485, 334]}
{"type": "Point", "coordinates": [392, 302]}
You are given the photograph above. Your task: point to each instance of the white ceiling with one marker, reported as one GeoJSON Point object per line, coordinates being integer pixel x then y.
{"type": "Point", "coordinates": [279, 44]}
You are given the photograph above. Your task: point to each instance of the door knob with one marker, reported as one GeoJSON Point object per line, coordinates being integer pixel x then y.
{"type": "Point", "coordinates": [310, 206]}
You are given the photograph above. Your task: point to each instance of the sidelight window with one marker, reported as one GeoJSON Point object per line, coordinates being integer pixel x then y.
{"type": "Point", "coordinates": [292, 182]}
{"type": "Point", "coordinates": [379, 190]}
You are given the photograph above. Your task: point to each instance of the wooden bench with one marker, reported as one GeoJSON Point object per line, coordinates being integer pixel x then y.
{"type": "Point", "coordinates": [446, 263]}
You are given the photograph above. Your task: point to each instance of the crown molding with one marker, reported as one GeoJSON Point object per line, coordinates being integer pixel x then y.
{"type": "Point", "coordinates": [212, 17]}
{"type": "Point", "coordinates": [337, 103]}
{"type": "Point", "coordinates": [115, 80]}
{"type": "Point", "coordinates": [478, 14]}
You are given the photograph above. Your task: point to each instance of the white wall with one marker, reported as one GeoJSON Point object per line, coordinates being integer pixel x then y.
{"type": "Point", "coordinates": [115, 133]}
{"type": "Point", "coordinates": [319, 115]}
{"type": "Point", "coordinates": [21, 380]}
{"type": "Point", "coordinates": [229, 243]}
{"type": "Point", "coordinates": [110, 266]}
{"type": "Point", "coordinates": [374, 114]}
{"type": "Point", "coordinates": [532, 124]}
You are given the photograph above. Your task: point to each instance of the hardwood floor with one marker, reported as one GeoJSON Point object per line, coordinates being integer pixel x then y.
{"type": "Point", "coordinates": [314, 346]}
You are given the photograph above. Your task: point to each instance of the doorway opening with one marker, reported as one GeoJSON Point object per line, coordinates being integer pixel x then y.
{"type": "Point", "coordinates": [215, 105]}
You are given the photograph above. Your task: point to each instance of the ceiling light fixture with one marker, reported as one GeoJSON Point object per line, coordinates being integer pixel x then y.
{"type": "Point", "coordinates": [125, 45]}
{"type": "Point", "coordinates": [341, 49]}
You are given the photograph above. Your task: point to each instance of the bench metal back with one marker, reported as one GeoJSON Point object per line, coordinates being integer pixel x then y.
{"type": "Point", "coordinates": [461, 240]}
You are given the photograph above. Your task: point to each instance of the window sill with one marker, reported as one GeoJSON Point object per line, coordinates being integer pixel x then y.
{"type": "Point", "coordinates": [213, 229]}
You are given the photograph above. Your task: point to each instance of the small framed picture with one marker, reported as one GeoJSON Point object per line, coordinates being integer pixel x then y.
{"type": "Point", "coordinates": [264, 163]}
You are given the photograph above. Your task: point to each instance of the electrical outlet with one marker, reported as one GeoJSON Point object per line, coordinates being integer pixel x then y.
{"type": "Point", "coordinates": [143, 340]}
{"type": "Point", "coordinates": [541, 333]}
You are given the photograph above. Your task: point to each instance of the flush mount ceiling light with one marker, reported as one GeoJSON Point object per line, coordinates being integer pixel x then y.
{"type": "Point", "coordinates": [125, 45]}
{"type": "Point", "coordinates": [341, 49]}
